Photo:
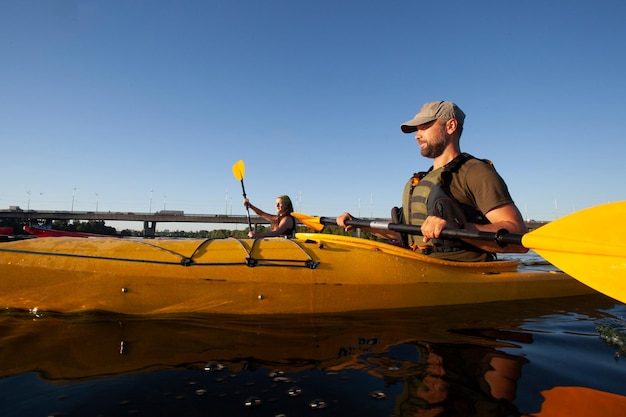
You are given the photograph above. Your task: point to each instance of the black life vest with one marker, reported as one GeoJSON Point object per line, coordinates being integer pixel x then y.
{"type": "Point", "coordinates": [428, 194]}
{"type": "Point", "coordinates": [290, 232]}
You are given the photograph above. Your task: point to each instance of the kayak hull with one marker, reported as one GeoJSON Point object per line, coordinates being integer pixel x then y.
{"type": "Point", "coordinates": [314, 273]}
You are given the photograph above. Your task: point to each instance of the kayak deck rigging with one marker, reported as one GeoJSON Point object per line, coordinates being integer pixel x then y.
{"type": "Point", "coordinates": [187, 261]}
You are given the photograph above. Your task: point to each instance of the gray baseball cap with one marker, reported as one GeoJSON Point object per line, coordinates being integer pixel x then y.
{"type": "Point", "coordinates": [434, 110]}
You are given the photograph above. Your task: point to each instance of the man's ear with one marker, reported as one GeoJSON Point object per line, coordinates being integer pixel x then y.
{"type": "Point", "coordinates": [452, 126]}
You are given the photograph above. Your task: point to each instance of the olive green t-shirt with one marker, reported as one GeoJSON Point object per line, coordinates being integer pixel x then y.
{"type": "Point", "coordinates": [476, 184]}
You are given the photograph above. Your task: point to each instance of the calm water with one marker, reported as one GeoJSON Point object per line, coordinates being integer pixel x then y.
{"type": "Point", "coordinates": [498, 359]}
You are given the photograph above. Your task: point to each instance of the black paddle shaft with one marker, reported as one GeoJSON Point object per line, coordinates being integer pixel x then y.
{"type": "Point", "coordinates": [502, 237]}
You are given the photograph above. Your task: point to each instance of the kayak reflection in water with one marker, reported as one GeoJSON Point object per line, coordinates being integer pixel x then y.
{"type": "Point", "coordinates": [459, 191]}
{"type": "Point", "coordinates": [283, 223]}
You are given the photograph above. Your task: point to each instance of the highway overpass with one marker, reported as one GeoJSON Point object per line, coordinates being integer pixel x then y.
{"type": "Point", "coordinates": [149, 219]}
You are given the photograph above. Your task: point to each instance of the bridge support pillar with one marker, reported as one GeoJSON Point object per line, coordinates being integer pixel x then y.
{"type": "Point", "coordinates": [149, 229]}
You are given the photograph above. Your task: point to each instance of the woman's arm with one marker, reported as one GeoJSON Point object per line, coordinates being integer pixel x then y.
{"type": "Point", "coordinates": [284, 225]}
{"type": "Point", "coordinates": [269, 217]}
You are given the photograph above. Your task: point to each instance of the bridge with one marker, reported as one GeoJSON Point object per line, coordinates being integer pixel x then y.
{"type": "Point", "coordinates": [149, 220]}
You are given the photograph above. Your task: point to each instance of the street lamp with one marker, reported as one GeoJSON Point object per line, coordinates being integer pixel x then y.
{"type": "Point", "coordinates": [28, 204]}
{"type": "Point", "coordinates": [73, 195]}
{"type": "Point", "coordinates": [97, 198]}
{"type": "Point", "coordinates": [151, 192]}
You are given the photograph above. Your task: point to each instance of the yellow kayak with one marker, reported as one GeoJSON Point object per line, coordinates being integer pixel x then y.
{"type": "Point", "coordinates": [313, 273]}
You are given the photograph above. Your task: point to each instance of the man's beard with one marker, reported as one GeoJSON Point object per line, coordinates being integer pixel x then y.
{"type": "Point", "coordinates": [433, 150]}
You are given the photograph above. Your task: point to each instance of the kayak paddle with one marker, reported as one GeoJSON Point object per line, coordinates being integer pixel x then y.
{"type": "Point", "coordinates": [238, 170]}
{"type": "Point", "coordinates": [596, 257]}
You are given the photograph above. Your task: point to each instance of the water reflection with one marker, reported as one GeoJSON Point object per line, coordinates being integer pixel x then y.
{"type": "Point", "coordinates": [460, 360]}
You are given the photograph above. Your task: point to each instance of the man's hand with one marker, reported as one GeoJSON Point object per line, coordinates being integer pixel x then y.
{"type": "Point", "coordinates": [341, 221]}
{"type": "Point", "coordinates": [433, 225]}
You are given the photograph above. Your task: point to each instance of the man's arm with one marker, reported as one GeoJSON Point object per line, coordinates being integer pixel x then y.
{"type": "Point", "coordinates": [383, 234]}
{"type": "Point", "coordinates": [504, 217]}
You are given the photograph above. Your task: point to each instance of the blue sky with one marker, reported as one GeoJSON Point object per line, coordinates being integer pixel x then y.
{"type": "Point", "coordinates": [141, 105]}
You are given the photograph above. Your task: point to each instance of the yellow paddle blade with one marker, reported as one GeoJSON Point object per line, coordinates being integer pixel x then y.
{"type": "Point", "coordinates": [309, 221]}
{"type": "Point", "coordinates": [589, 245]}
{"type": "Point", "coordinates": [239, 169]}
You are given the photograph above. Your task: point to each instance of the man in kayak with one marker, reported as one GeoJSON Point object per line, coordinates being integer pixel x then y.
{"type": "Point", "coordinates": [458, 191]}
{"type": "Point", "coordinates": [283, 223]}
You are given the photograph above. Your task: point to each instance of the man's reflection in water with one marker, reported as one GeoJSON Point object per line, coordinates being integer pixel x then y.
{"type": "Point", "coordinates": [456, 380]}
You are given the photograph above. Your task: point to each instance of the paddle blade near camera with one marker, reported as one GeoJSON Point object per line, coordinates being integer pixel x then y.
{"type": "Point", "coordinates": [589, 245]}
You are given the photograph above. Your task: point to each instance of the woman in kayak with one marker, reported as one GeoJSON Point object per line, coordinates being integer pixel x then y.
{"type": "Point", "coordinates": [283, 223]}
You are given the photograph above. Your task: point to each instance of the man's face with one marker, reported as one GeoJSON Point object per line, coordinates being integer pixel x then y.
{"type": "Point", "coordinates": [432, 138]}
